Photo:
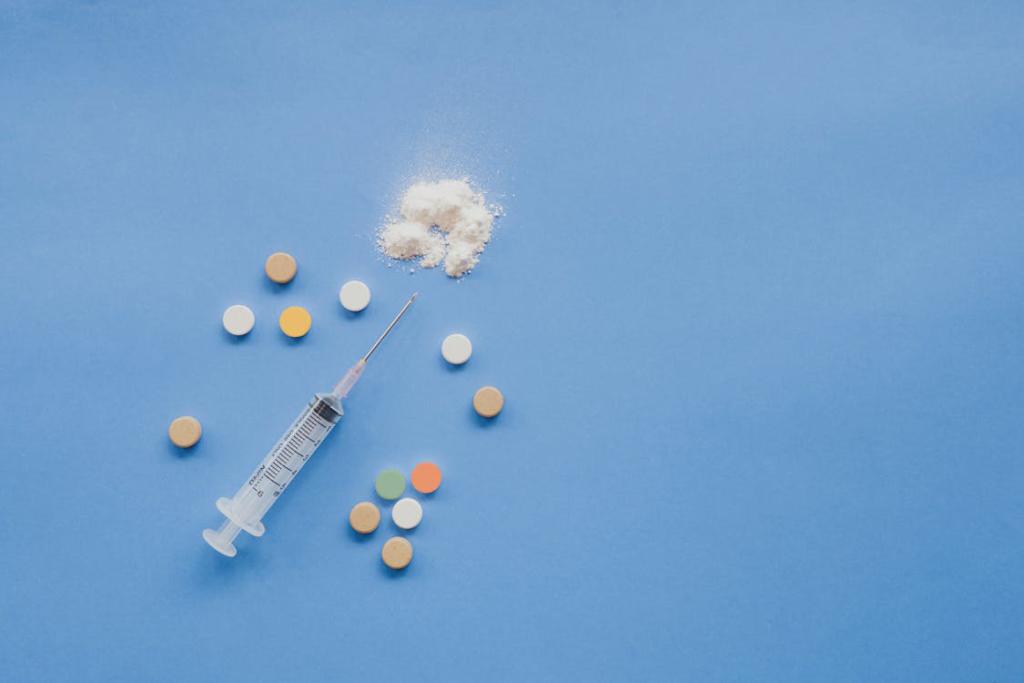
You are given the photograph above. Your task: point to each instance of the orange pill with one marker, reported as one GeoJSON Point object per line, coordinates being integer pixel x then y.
{"type": "Point", "coordinates": [426, 477]}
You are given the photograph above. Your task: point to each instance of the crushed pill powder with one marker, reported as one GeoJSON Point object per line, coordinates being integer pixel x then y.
{"type": "Point", "coordinates": [441, 222]}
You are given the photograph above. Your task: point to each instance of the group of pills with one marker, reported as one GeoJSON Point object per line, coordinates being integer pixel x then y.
{"type": "Point", "coordinates": [295, 321]}
{"type": "Point", "coordinates": [426, 477]}
{"type": "Point", "coordinates": [406, 513]}
{"type": "Point", "coordinates": [390, 484]}
{"type": "Point", "coordinates": [456, 349]}
{"type": "Point", "coordinates": [488, 401]}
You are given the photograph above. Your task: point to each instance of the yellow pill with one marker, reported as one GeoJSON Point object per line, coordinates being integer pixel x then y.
{"type": "Point", "coordinates": [185, 431]}
{"type": "Point", "coordinates": [295, 321]}
{"type": "Point", "coordinates": [281, 267]}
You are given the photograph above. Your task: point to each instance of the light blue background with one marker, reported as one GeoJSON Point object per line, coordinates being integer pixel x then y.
{"type": "Point", "coordinates": [757, 308]}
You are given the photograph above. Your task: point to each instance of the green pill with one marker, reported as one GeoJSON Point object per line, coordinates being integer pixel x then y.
{"type": "Point", "coordinates": [390, 484]}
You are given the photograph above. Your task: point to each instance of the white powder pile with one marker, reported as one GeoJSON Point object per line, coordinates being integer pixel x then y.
{"type": "Point", "coordinates": [443, 221]}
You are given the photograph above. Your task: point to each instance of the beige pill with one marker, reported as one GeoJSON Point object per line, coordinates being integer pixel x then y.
{"type": "Point", "coordinates": [185, 431]}
{"type": "Point", "coordinates": [364, 517]}
{"type": "Point", "coordinates": [488, 401]}
{"type": "Point", "coordinates": [397, 553]}
{"type": "Point", "coordinates": [281, 267]}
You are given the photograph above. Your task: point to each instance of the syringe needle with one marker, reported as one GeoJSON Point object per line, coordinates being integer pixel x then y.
{"type": "Point", "coordinates": [342, 388]}
{"type": "Point", "coordinates": [397, 318]}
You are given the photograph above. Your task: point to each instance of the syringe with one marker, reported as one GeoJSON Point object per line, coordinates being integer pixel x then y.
{"type": "Point", "coordinates": [286, 458]}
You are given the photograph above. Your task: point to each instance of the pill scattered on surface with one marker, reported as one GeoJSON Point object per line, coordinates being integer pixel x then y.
{"type": "Point", "coordinates": [364, 517]}
{"type": "Point", "coordinates": [456, 348]}
{"type": "Point", "coordinates": [354, 295]}
{"type": "Point", "coordinates": [488, 401]}
{"type": "Point", "coordinates": [238, 320]}
{"type": "Point", "coordinates": [426, 477]}
{"type": "Point", "coordinates": [397, 553]}
{"type": "Point", "coordinates": [185, 431]}
{"type": "Point", "coordinates": [281, 267]}
{"type": "Point", "coordinates": [390, 484]}
{"type": "Point", "coordinates": [407, 513]}
{"type": "Point", "coordinates": [295, 321]}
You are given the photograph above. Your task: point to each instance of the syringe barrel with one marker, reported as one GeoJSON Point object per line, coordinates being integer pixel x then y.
{"type": "Point", "coordinates": [265, 485]}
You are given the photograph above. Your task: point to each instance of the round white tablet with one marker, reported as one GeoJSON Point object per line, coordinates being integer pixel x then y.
{"type": "Point", "coordinates": [407, 513]}
{"type": "Point", "coordinates": [238, 320]}
{"type": "Point", "coordinates": [456, 349]}
{"type": "Point", "coordinates": [354, 295]}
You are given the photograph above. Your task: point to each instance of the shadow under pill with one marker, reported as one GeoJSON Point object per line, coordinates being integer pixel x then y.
{"type": "Point", "coordinates": [182, 453]}
{"type": "Point", "coordinates": [361, 538]}
{"type": "Point", "coordinates": [234, 339]}
{"type": "Point", "coordinates": [433, 495]}
{"type": "Point", "coordinates": [452, 368]}
{"type": "Point", "coordinates": [481, 421]}
{"type": "Point", "coordinates": [274, 287]}
{"type": "Point", "coordinates": [395, 574]}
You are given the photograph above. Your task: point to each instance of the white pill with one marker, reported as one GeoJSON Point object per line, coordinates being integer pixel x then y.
{"type": "Point", "coordinates": [456, 348]}
{"type": "Point", "coordinates": [407, 513]}
{"type": "Point", "coordinates": [354, 295]}
{"type": "Point", "coordinates": [238, 320]}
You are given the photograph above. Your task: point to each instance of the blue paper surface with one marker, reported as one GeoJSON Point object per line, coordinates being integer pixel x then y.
{"type": "Point", "coordinates": [756, 308]}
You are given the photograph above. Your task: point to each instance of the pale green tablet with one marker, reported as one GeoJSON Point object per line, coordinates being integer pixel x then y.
{"type": "Point", "coordinates": [390, 484]}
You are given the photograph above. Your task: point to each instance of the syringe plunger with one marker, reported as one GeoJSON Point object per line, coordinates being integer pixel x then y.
{"type": "Point", "coordinates": [223, 538]}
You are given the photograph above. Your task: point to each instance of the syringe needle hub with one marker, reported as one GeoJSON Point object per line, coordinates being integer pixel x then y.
{"type": "Point", "coordinates": [350, 379]}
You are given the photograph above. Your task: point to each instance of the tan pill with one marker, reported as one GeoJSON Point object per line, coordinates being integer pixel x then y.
{"type": "Point", "coordinates": [185, 431]}
{"type": "Point", "coordinates": [281, 267]}
{"type": "Point", "coordinates": [364, 517]}
{"type": "Point", "coordinates": [397, 553]}
{"type": "Point", "coordinates": [488, 401]}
